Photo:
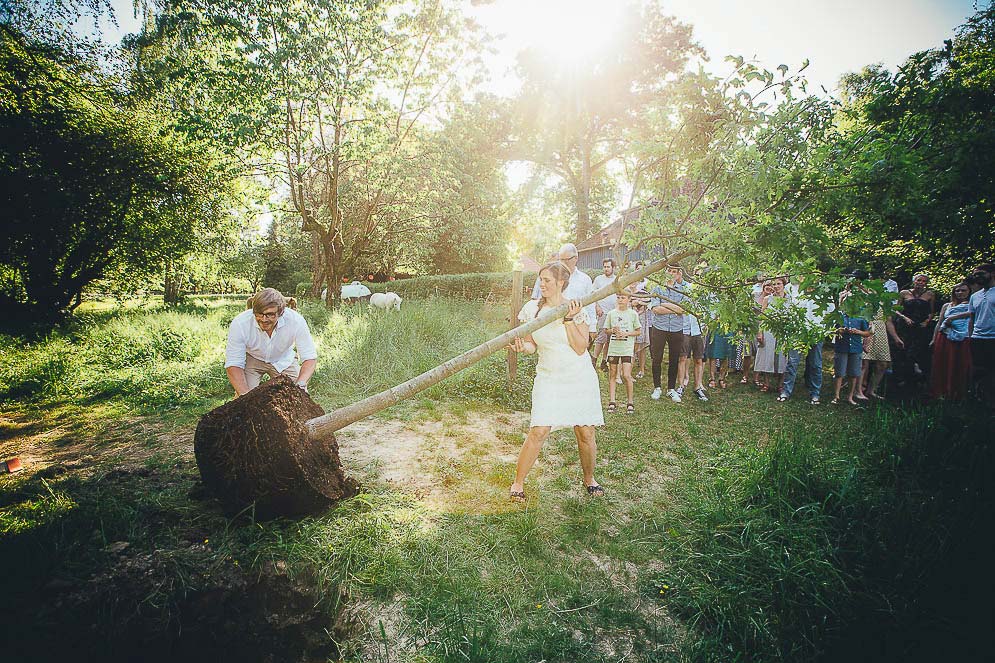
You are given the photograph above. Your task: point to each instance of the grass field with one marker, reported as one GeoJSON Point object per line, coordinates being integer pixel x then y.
{"type": "Point", "coordinates": [739, 529]}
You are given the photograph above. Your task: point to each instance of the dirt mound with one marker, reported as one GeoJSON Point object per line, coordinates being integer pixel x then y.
{"type": "Point", "coordinates": [142, 609]}
{"type": "Point", "coordinates": [255, 449]}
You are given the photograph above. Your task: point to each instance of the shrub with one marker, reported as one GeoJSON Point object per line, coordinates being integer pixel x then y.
{"type": "Point", "coordinates": [470, 287]}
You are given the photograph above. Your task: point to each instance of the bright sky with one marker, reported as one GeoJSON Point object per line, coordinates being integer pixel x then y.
{"type": "Point", "coordinates": [836, 36]}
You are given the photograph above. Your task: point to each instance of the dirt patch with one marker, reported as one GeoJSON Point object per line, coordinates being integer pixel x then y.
{"type": "Point", "coordinates": [139, 609]}
{"type": "Point", "coordinates": [72, 445]}
{"type": "Point", "coordinates": [431, 458]}
{"type": "Point", "coordinates": [256, 449]}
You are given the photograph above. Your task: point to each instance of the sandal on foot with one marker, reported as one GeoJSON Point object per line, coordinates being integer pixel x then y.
{"type": "Point", "coordinates": [595, 491]}
{"type": "Point", "coordinates": [722, 384]}
{"type": "Point", "coordinates": [612, 406]}
{"type": "Point", "coordinates": [517, 495]}
{"type": "Point", "coordinates": [835, 401]}
{"type": "Point", "coordinates": [711, 384]}
{"type": "Point", "coordinates": [782, 398]}
{"type": "Point", "coordinates": [745, 380]}
{"type": "Point", "coordinates": [630, 408]}
{"type": "Point", "coordinates": [764, 388]}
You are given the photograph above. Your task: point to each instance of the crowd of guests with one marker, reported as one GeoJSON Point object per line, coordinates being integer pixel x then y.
{"type": "Point", "coordinates": [945, 349]}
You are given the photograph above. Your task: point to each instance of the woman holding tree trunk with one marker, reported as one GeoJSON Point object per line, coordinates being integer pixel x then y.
{"type": "Point", "coordinates": [566, 391]}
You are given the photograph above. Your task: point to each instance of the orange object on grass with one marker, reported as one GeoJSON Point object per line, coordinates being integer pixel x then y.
{"type": "Point", "coordinates": [12, 465]}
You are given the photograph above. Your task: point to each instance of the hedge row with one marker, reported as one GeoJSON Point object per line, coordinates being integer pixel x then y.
{"type": "Point", "coordinates": [471, 287]}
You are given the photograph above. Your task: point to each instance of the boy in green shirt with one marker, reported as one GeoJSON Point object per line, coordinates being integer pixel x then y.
{"type": "Point", "coordinates": [625, 327]}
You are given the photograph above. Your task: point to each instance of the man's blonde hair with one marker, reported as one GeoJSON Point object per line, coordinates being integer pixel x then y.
{"type": "Point", "coordinates": [266, 298]}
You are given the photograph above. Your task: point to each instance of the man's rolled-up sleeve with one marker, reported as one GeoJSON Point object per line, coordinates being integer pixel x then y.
{"type": "Point", "coordinates": [235, 349]}
{"type": "Point", "coordinates": [304, 342]}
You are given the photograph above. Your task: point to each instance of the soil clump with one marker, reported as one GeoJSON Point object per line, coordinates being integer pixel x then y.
{"type": "Point", "coordinates": [256, 450]}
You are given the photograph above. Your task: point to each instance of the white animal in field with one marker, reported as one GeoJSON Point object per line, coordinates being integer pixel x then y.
{"type": "Point", "coordinates": [386, 300]}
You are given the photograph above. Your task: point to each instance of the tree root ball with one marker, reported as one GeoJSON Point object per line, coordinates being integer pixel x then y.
{"type": "Point", "coordinates": [256, 450]}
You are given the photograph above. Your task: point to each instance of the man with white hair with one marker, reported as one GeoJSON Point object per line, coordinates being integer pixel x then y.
{"type": "Point", "coordinates": [261, 341]}
{"type": "Point", "coordinates": [580, 284]}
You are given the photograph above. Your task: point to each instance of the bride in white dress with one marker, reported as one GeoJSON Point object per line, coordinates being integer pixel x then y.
{"type": "Point", "coordinates": [566, 391]}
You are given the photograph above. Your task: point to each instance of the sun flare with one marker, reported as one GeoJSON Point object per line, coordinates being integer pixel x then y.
{"type": "Point", "coordinates": [573, 29]}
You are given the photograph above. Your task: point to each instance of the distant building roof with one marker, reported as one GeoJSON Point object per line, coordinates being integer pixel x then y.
{"type": "Point", "coordinates": [610, 234]}
{"type": "Point", "coordinates": [528, 264]}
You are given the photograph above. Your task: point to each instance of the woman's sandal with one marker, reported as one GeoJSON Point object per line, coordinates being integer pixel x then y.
{"type": "Point", "coordinates": [630, 408]}
{"type": "Point", "coordinates": [612, 406]}
{"type": "Point", "coordinates": [711, 384]}
{"type": "Point", "coordinates": [517, 496]}
{"type": "Point", "coordinates": [835, 401]}
{"type": "Point", "coordinates": [595, 491]}
{"type": "Point", "coordinates": [722, 383]}
{"type": "Point", "coordinates": [745, 380]}
{"type": "Point", "coordinates": [764, 388]}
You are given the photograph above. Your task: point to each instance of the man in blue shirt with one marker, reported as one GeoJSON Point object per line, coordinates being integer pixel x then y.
{"type": "Point", "coordinates": [667, 330]}
{"type": "Point", "coordinates": [981, 306]}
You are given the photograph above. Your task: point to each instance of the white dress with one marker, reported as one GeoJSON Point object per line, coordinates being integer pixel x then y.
{"type": "Point", "coordinates": [566, 392]}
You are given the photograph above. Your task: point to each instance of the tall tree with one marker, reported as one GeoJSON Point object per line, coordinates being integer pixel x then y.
{"type": "Point", "coordinates": [918, 191]}
{"type": "Point", "coordinates": [92, 181]}
{"type": "Point", "coordinates": [347, 94]}
{"type": "Point", "coordinates": [573, 118]}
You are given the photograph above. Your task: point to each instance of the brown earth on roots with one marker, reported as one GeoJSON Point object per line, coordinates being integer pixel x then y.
{"type": "Point", "coordinates": [255, 449]}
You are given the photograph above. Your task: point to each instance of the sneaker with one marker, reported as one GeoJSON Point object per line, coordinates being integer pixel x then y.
{"type": "Point", "coordinates": [815, 400]}
{"type": "Point", "coordinates": [680, 390]}
{"type": "Point", "coordinates": [700, 393]}
{"type": "Point", "coordinates": [656, 394]}
{"type": "Point", "coordinates": [618, 380]}
{"type": "Point", "coordinates": [674, 395]}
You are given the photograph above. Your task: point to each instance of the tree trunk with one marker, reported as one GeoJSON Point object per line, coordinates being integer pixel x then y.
{"type": "Point", "coordinates": [171, 284]}
{"type": "Point", "coordinates": [326, 425]}
{"type": "Point", "coordinates": [584, 228]}
{"type": "Point", "coordinates": [317, 267]}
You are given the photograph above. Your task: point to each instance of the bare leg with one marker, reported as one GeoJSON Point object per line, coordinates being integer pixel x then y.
{"type": "Point", "coordinates": [839, 385]}
{"type": "Point", "coordinates": [527, 456]}
{"type": "Point", "coordinates": [612, 373]}
{"type": "Point", "coordinates": [699, 373]}
{"type": "Point", "coordinates": [880, 367]}
{"type": "Point", "coordinates": [597, 353]}
{"type": "Point", "coordinates": [642, 360]}
{"type": "Point", "coordinates": [588, 450]}
{"type": "Point", "coordinates": [853, 390]}
{"type": "Point", "coordinates": [629, 383]}
{"type": "Point", "coordinates": [682, 371]}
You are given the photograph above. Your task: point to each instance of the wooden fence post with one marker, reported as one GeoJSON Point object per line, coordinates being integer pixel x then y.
{"type": "Point", "coordinates": [516, 306]}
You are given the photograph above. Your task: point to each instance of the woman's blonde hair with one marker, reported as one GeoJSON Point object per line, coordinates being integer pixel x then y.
{"type": "Point", "coordinates": [266, 298]}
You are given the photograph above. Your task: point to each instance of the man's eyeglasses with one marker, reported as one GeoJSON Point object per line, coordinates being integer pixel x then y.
{"type": "Point", "coordinates": [267, 316]}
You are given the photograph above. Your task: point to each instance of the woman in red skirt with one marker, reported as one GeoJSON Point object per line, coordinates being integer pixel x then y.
{"type": "Point", "coordinates": [951, 372]}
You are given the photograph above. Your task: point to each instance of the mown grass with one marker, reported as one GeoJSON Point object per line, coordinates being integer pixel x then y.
{"type": "Point", "coordinates": [734, 530]}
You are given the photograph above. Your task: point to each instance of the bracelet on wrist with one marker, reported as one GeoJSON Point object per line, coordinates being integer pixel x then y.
{"type": "Point", "coordinates": [568, 319]}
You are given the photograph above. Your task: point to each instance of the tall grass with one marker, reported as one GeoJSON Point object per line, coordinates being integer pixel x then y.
{"type": "Point", "coordinates": [155, 360]}
{"type": "Point", "coordinates": [734, 530]}
{"type": "Point", "coordinates": [837, 546]}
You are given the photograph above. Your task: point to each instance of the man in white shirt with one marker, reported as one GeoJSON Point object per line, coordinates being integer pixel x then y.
{"type": "Point", "coordinates": [601, 308]}
{"type": "Point", "coordinates": [580, 284]}
{"type": "Point", "coordinates": [261, 341]}
{"type": "Point", "coordinates": [814, 319]}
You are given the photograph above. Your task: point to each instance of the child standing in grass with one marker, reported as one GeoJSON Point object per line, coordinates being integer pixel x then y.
{"type": "Point", "coordinates": [625, 327]}
{"type": "Point", "coordinates": [849, 350]}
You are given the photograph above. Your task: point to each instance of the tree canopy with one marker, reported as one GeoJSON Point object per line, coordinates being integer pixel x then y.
{"type": "Point", "coordinates": [92, 182]}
